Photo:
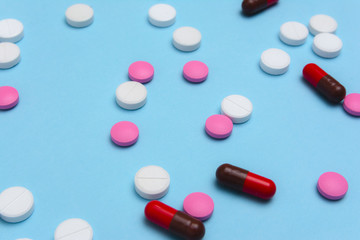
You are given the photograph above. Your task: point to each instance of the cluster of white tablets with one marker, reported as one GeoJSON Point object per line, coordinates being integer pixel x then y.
{"type": "Point", "coordinates": [11, 31]}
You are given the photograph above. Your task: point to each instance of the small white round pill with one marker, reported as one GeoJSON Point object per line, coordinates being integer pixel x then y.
{"type": "Point", "coordinates": [23, 239]}
{"type": "Point", "coordinates": [16, 204]}
{"type": "Point", "coordinates": [9, 55]}
{"type": "Point", "coordinates": [238, 108]}
{"type": "Point", "coordinates": [293, 33]}
{"type": "Point", "coordinates": [152, 182]}
{"type": "Point", "coordinates": [274, 61]}
{"type": "Point", "coordinates": [74, 229]}
{"type": "Point", "coordinates": [327, 45]}
{"type": "Point", "coordinates": [11, 30]}
{"type": "Point", "coordinates": [322, 24]}
{"type": "Point", "coordinates": [162, 15]}
{"type": "Point", "coordinates": [186, 39]}
{"type": "Point", "coordinates": [131, 95]}
{"type": "Point", "coordinates": [79, 15]}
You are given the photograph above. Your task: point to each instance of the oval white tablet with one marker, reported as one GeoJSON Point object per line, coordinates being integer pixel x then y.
{"type": "Point", "coordinates": [327, 45]}
{"type": "Point", "coordinates": [16, 204]}
{"type": "Point", "coordinates": [162, 15]}
{"type": "Point", "coordinates": [131, 95]}
{"type": "Point", "coordinates": [74, 229]}
{"type": "Point", "coordinates": [9, 55]}
{"type": "Point", "coordinates": [152, 182]}
{"type": "Point", "coordinates": [79, 15]}
{"type": "Point", "coordinates": [293, 33]}
{"type": "Point", "coordinates": [274, 61]}
{"type": "Point", "coordinates": [238, 108]}
{"type": "Point", "coordinates": [11, 30]}
{"type": "Point", "coordinates": [186, 39]}
{"type": "Point", "coordinates": [322, 24]}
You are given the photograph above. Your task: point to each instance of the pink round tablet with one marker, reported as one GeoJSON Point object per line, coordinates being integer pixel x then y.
{"type": "Point", "coordinates": [332, 185]}
{"type": "Point", "coordinates": [199, 205]}
{"type": "Point", "coordinates": [195, 71]}
{"type": "Point", "coordinates": [141, 72]}
{"type": "Point", "coordinates": [218, 126]}
{"type": "Point", "coordinates": [9, 97]}
{"type": "Point", "coordinates": [352, 104]}
{"type": "Point", "coordinates": [124, 133]}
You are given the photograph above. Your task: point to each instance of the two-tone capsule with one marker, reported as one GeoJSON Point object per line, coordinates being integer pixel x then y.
{"type": "Point", "coordinates": [176, 221]}
{"type": "Point", "coordinates": [250, 7]}
{"type": "Point", "coordinates": [245, 181]}
{"type": "Point", "coordinates": [324, 83]}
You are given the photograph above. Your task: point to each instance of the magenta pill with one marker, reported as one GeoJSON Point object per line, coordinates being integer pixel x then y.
{"type": "Point", "coordinates": [124, 133]}
{"type": "Point", "coordinates": [141, 72]}
{"type": "Point", "coordinates": [9, 97]}
{"type": "Point", "coordinates": [199, 205]}
{"type": "Point", "coordinates": [218, 126]}
{"type": "Point", "coordinates": [332, 185]}
{"type": "Point", "coordinates": [195, 71]}
{"type": "Point", "coordinates": [352, 104]}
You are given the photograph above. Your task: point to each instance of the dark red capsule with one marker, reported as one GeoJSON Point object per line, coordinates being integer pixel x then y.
{"type": "Point", "coordinates": [250, 7]}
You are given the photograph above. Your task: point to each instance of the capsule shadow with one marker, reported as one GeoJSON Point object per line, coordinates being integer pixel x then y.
{"type": "Point", "coordinates": [167, 234]}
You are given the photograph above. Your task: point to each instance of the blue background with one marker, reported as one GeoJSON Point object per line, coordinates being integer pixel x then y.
{"type": "Point", "coordinates": [56, 142]}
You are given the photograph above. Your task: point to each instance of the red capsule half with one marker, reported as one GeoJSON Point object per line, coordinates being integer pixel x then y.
{"type": "Point", "coordinates": [250, 7]}
{"type": "Point", "coordinates": [176, 221]}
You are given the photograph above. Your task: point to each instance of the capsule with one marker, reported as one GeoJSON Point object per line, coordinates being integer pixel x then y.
{"type": "Point", "coordinates": [245, 181]}
{"type": "Point", "coordinates": [176, 221]}
{"type": "Point", "coordinates": [324, 83]}
{"type": "Point", "coordinates": [250, 7]}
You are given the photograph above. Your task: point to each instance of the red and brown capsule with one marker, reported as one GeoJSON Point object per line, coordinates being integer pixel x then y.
{"type": "Point", "coordinates": [250, 7]}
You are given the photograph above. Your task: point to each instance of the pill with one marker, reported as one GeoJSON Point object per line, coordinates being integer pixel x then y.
{"type": "Point", "coordinates": [352, 104]}
{"type": "Point", "coordinates": [245, 181]}
{"type": "Point", "coordinates": [175, 221]}
{"type": "Point", "coordinates": [199, 205]}
{"type": "Point", "coordinates": [186, 39]}
{"type": "Point", "coordinates": [293, 33]}
{"type": "Point", "coordinates": [195, 71]}
{"type": "Point", "coordinates": [274, 61]}
{"type": "Point", "coordinates": [23, 239]}
{"type": "Point", "coordinates": [16, 204]}
{"type": "Point", "coordinates": [332, 185]}
{"type": "Point", "coordinates": [9, 55]}
{"type": "Point", "coordinates": [327, 45]}
{"type": "Point", "coordinates": [238, 108]}
{"type": "Point", "coordinates": [79, 15]}
{"type": "Point", "coordinates": [322, 24]}
{"type": "Point", "coordinates": [152, 182]}
{"type": "Point", "coordinates": [11, 30]}
{"type": "Point", "coordinates": [131, 95]}
{"type": "Point", "coordinates": [218, 126]}
{"type": "Point", "coordinates": [141, 72]}
{"type": "Point", "coordinates": [124, 133]}
{"type": "Point", "coordinates": [74, 229]}
{"type": "Point", "coordinates": [250, 7]}
{"type": "Point", "coordinates": [9, 97]}
{"type": "Point", "coordinates": [324, 83]}
{"type": "Point", "coordinates": [162, 15]}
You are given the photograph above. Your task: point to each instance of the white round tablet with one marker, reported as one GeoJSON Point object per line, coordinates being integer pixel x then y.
{"type": "Point", "coordinates": [152, 182]}
{"type": "Point", "coordinates": [16, 204]}
{"type": "Point", "coordinates": [131, 95]}
{"type": "Point", "coordinates": [74, 229]}
{"type": "Point", "coordinates": [187, 39]}
{"type": "Point", "coordinates": [274, 61]}
{"type": "Point", "coordinates": [11, 30]}
{"type": "Point", "coordinates": [322, 24]}
{"type": "Point", "coordinates": [23, 239]}
{"type": "Point", "coordinates": [293, 33]}
{"type": "Point", "coordinates": [9, 55]}
{"type": "Point", "coordinates": [238, 108]}
{"type": "Point", "coordinates": [327, 45]}
{"type": "Point", "coordinates": [79, 15]}
{"type": "Point", "coordinates": [162, 15]}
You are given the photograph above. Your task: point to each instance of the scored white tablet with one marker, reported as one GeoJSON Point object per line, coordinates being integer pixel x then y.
{"type": "Point", "coordinates": [186, 39]}
{"type": "Point", "coordinates": [274, 61]}
{"type": "Point", "coordinates": [79, 15]}
{"type": "Point", "coordinates": [162, 15]}
{"type": "Point", "coordinates": [293, 33]}
{"type": "Point", "coordinates": [238, 108]}
{"type": "Point", "coordinates": [11, 30]}
{"type": "Point", "coordinates": [322, 24]}
{"type": "Point", "coordinates": [74, 229]}
{"type": "Point", "coordinates": [131, 95]}
{"type": "Point", "coordinates": [9, 55]}
{"type": "Point", "coordinates": [327, 45]}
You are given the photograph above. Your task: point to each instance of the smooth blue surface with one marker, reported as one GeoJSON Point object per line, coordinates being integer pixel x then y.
{"type": "Point", "coordinates": [56, 142]}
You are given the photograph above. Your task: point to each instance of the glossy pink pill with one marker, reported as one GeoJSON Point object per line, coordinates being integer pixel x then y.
{"type": "Point", "coordinates": [332, 185]}
{"type": "Point", "coordinates": [352, 104]}
{"type": "Point", "coordinates": [141, 72]}
{"type": "Point", "coordinates": [199, 205]}
{"type": "Point", "coordinates": [218, 126]}
{"type": "Point", "coordinates": [195, 71]}
{"type": "Point", "coordinates": [124, 133]}
{"type": "Point", "coordinates": [9, 97]}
